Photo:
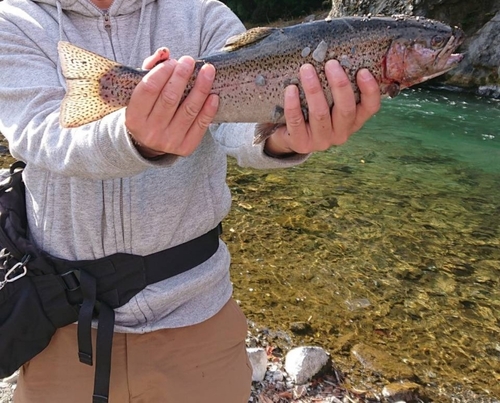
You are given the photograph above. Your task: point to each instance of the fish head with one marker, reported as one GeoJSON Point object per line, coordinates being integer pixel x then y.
{"type": "Point", "coordinates": [423, 51]}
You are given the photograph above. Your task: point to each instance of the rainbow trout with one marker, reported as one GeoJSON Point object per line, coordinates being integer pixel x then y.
{"type": "Point", "coordinates": [253, 68]}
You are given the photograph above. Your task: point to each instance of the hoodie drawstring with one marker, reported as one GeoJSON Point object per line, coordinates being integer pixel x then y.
{"type": "Point", "coordinates": [140, 30]}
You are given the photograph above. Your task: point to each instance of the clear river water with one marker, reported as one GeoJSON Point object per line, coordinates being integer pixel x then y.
{"type": "Point", "coordinates": [392, 240]}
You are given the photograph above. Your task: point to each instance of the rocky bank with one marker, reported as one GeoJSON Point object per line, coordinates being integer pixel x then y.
{"type": "Point", "coordinates": [480, 19]}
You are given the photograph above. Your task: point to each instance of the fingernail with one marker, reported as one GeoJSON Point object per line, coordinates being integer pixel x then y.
{"type": "Point", "coordinates": [163, 53]}
{"type": "Point", "coordinates": [291, 91]}
{"type": "Point", "coordinates": [308, 71]}
{"type": "Point", "coordinates": [170, 62]}
{"type": "Point", "coordinates": [209, 71]}
{"type": "Point", "coordinates": [214, 100]}
{"type": "Point", "coordinates": [186, 61]}
{"type": "Point", "coordinates": [332, 64]}
{"type": "Point", "coordinates": [364, 74]}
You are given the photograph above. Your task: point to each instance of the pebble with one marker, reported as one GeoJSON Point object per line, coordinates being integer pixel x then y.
{"type": "Point", "coordinates": [278, 376]}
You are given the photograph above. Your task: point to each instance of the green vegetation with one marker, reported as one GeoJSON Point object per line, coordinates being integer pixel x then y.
{"type": "Point", "coordinates": [269, 10]}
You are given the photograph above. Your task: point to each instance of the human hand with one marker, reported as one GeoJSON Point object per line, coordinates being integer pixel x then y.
{"type": "Point", "coordinates": [156, 119]}
{"type": "Point", "coordinates": [324, 128]}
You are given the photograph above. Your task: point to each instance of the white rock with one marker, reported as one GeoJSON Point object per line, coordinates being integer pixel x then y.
{"type": "Point", "coordinates": [12, 379]}
{"type": "Point", "coordinates": [258, 359]}
{"type": "Point", "coordinates": [302, 363]}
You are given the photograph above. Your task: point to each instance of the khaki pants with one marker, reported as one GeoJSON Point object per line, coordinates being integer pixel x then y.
{"type": "Point", "coordinates": [205, 363]}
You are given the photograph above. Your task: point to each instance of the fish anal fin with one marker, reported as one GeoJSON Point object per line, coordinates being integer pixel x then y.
{"type": "Point", "coordinates": [253, 35]}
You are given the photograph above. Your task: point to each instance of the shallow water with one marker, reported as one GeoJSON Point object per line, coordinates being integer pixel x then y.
{"type": "Point", "coordinates": [392, 240]}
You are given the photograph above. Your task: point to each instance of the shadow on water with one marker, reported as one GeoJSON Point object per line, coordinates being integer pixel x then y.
{"type": "Point", "coordinates": [392, 240]}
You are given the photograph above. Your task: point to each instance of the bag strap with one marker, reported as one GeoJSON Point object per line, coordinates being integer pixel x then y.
{"type": "Point", "coordinates": [152, 269]}
{"type": "Point", "coordinates": [104, 343]}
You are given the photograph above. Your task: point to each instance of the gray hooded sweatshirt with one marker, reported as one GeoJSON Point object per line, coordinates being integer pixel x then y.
{"type": "Point", "coordinates": [89, 192]}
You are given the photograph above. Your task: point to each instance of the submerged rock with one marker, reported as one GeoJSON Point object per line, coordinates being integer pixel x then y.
{"type": "Point", "coordinates": [381, 362]}
{"type": "Point", "coordinates": [402, 391]}
{"type": "Point", "coordinates": [301, 328]}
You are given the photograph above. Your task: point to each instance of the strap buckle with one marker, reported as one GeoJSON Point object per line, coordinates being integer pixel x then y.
{"type": "Point", "coordinates": [71, 279]}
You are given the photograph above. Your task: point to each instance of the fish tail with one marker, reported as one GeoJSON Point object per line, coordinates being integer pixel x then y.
{"type": "Point", "coordinates": [90, 81]}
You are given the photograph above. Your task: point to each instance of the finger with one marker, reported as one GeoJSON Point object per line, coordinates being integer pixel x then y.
{"type": "Point", "coordinates": [160, 55]}
{"type": "Point", "coordinates": [168, 101]}
{"type": "Point", "coordinates": [319, 111]}
{"type": "Point", "coordinates": [146, 94]}
{"type": "Point", "coordinates": [199, 126]}
{"type": "Point", "coordinates": [296, 126]}
{"type": "Point", "coordinates": [192, 106]}
{"type": "Point", "coordinates": [370, 98]}
{"type": "Point", "coordinates": [344, 109]}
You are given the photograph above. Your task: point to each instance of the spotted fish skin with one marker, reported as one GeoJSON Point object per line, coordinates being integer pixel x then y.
{"type": "Point", "coordinates": [254, 68]}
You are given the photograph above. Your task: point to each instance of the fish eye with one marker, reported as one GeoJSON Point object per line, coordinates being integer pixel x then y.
{"type": "Point", "coordinates": [437, 41]}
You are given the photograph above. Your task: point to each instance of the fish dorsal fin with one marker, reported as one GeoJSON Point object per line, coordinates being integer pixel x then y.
{"type": "Point", "coordinates": [253, 35]}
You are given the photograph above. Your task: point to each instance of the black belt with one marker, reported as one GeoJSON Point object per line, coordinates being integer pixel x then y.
{"type": "Point", "coordinates": [101, 285]}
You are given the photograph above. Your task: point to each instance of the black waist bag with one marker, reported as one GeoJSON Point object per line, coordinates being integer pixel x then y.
{"type": "Point", "coordinates": [32, 301]}
{"type": "Point", "coordinates": [40, 293]}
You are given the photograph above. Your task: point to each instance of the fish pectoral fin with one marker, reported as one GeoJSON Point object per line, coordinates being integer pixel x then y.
{"type": "Point", "coordinates": [263, 131]}
{"type": "Point", "coordinates": [253, 35]}
{"type": "Point", "coordinates": [393, 89]}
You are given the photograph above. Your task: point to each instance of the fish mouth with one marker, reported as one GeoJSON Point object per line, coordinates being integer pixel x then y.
{"type": "Point", "coordinates": [446, 60]}
{"type": "Point", "coordinates": [452, 59]}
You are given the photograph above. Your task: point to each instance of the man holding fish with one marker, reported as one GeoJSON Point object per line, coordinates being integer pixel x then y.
{"type": "Point", "coordinates": [149, 179]}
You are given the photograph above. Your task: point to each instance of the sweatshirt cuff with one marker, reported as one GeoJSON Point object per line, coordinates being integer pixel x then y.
{"type": "Point", "coordinates": [237, 141]}
{"type": "Point", "coordinates": [117, 148]}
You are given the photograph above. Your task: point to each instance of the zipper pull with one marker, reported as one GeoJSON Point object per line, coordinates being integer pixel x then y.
{"type": "Point", "coordinates": [107, 23]}
{"type": "Point", "coordinates": [107, 28]}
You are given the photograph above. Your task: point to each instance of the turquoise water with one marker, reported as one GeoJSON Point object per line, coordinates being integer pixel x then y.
{"type": "Point", "coordinates": [461, 126]}
{"type": "Point", "coordinates": [392, 240]}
